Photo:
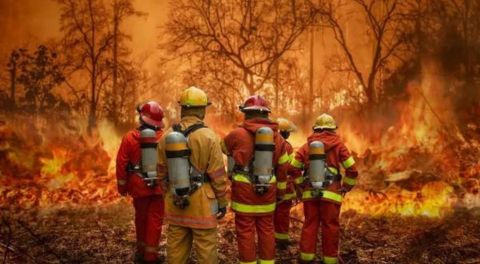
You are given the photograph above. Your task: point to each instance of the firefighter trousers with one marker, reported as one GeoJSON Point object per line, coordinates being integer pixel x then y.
{"type": "Point", "coordinates": [246, 226]}
{"type": "Point", "coordinates": [326, 214]}
{"type": "Point", "coordinates": [149, 212]}
{"type": "Point", "coordinates": [282, 220]}
{"type": "Point", "coordinates": [180, 240]}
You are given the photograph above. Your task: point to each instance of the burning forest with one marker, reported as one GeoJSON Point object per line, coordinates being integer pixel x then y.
{"type": "Point", "coordinates": [401, 79]}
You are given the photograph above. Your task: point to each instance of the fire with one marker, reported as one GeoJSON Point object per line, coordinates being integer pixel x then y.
{"type": "Point", "coordinates": [414, 163]}
{"type": "Point", "coordinates": [57, 169]}
{"type": "Point", "coordinates": [420, 165]}
{"type": "Point", "coordinates": [434, 199]}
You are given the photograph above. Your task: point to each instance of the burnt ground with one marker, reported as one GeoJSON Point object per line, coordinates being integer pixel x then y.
{"type": "Point", "coordinates": [105, 234]}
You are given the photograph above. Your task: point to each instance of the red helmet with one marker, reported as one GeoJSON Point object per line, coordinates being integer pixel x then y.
{"type": "Point", "coordinates": [151, 113]}
{"type": "Point", "coordinates": [255, 103]}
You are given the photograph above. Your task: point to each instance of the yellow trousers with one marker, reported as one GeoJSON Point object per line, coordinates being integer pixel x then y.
{"type": "Point", "coordinates": [180, 240]}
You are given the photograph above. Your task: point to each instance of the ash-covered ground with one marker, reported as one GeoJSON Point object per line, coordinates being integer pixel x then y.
{"type": "Point", "coordinates": [105, 234]}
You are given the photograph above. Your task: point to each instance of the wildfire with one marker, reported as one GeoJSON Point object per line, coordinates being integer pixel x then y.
{"type": "Point", "coordinates": [421, 164]}
{"type": "Point", "coordinates": [56, 170]}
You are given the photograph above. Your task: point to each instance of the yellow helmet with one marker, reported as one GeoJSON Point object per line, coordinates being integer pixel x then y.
{"type": "Point", "coordinates": [325, 121]}
{"type": "Point", "coordinates": [285, 125]}
{"type": "Point", "coordinates": [194, 97]}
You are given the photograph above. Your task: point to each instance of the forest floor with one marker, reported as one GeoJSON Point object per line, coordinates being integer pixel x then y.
{"type": "Point", "coordinates": [105, 234]}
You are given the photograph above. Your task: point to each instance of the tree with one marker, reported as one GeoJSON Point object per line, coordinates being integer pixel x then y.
{"type": "Point", "coordinates": [384, 28]}
{"type": "Point", "coordinates": [246, 37]}
{"type": "Point", "coordinates": [87, 41]}
{"type": "Point", "coordinates": [38, 74]}
{"type": "Point", "coordinates": [12, 69]}
{"type": "Point", "coordinates": [121, 10]}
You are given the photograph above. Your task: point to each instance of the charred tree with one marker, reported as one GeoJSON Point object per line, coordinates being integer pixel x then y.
{"type": "Point", "coordinates": [245, 36]}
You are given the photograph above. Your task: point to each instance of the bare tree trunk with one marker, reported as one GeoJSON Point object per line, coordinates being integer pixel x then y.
{"type": "Point", "coordinates": [115, 61]}
{"type": "Point", "coordinates": [309, 101]}
{"type": "Point", "coordinates": [277, 88]}
{"type": "Point", "coordinates": [92, 118]}
{"type": "Point", "coordinates": [13, 84]}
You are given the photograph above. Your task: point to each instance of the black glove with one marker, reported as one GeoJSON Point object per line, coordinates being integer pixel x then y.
{"type": "Point", "coordinates": [221, 212]}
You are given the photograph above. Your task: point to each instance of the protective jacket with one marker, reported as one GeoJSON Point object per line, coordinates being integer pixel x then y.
{"type": "Point", "coordinates": [206, 156]}
{"type": "Point", "coordinates": [129, 155]}
{"type": "Point", "coordinates": [240, 145]}
{"type": "Point", "coordinates": [323, 211]}
{"type": "Point", "coordinates": [337, 155]}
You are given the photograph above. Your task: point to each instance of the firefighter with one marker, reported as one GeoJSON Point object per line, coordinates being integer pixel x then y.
{"type": "Point", "coordinates": [136, 176]}
{"type": "Point", "coordinates": [191, 163]}
{"type": "Point", "coordinates": [258, 159]}
{"type": "Point", "coordinates": [322, 187]}
{"type": "Point", "coordinates": [282, 212]}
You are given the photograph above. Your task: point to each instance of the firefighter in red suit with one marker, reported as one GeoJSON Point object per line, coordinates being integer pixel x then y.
{"type": "Point", "coordinates": [282, 212]}
{"type": "Point", "coordinates": [148, 201]}
{"type": "Point", "coordinates": [254, 201]}
{"type": "Point", "coordinates": [322, 205]}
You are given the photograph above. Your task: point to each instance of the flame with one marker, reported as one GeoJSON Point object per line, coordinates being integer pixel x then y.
{"type": "Point", "coordinates": [59, 169]}
{"type": "Point", "coordinates": [434, 199]}
{"type": "Point", "coordinates": [414, 165]}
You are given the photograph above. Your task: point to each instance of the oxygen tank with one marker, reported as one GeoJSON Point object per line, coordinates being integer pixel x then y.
{"type": "Point", "coordinates": [178, 163]}
{"type": "Point", "coordinates": [148, 145]}
{"type": "Point", "coordinates": [263, 158]}
{"type": "Point", "coordinates": [317, 165]}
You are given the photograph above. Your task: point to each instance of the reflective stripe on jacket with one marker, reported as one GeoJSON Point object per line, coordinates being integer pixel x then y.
{"type": "Point", "coordinates": [239, 144]}
{"type": "Point", "coordinates": [337, 156]}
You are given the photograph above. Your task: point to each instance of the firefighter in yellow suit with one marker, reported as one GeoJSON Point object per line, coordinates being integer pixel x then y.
{"type": "Point", "coordinates": [196, 222]}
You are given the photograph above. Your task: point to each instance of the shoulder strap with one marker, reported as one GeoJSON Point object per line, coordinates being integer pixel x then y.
{"type": "Point", "coordinates": [189, 129]}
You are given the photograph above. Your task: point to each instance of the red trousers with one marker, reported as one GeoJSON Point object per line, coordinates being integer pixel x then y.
{"type": "Point", "coordinates": [327, 214]}
{"type": "Point", "coordinates": [282, 219]}
{"type": "Point", "coordinates": [245, 226]}
{"type": "Point", "coordinates": [149, 212]}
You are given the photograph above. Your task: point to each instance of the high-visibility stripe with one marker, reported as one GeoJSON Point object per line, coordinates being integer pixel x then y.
{"type": "Point", "coordinates": [281, 236]}
{"type": "Point", "coordinates": [330, 260]}
{"type": "Point", "coordinates": [245, 179]}
{"type": "Point", "coordinates": [325, 194]}
{"type": "Point", "coordinates": [241, 178]}
{"type": "Point", "coordinates": [349, 181]}
{"type": "Point", "coordinates": [289, 196]}
{"type": "Point", "coordinates": [253, 208]}
{"type": "Point", "coordinates": [249, 262]}
{"type": "Point", "coordinates": [197, 221]}
{"type": "Point", "coordinates": [284, 158]}
{"type": "Point", "coordinates": [121, 182]}
{"type": "Point", "coordinates": [348, 163]}
{"type": "Point", "coordinates": [297, 164]}
{"type": "Point", "coordinates": [299, 180]}
{"type": "Point", "coordinates": [307, 256]}
{"type": "Point", "coordinates": [282, 185]}
{"type": "Point", "coordinates": [264, 261]}
{"type": "Point", "coordinates": [333, 170]}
